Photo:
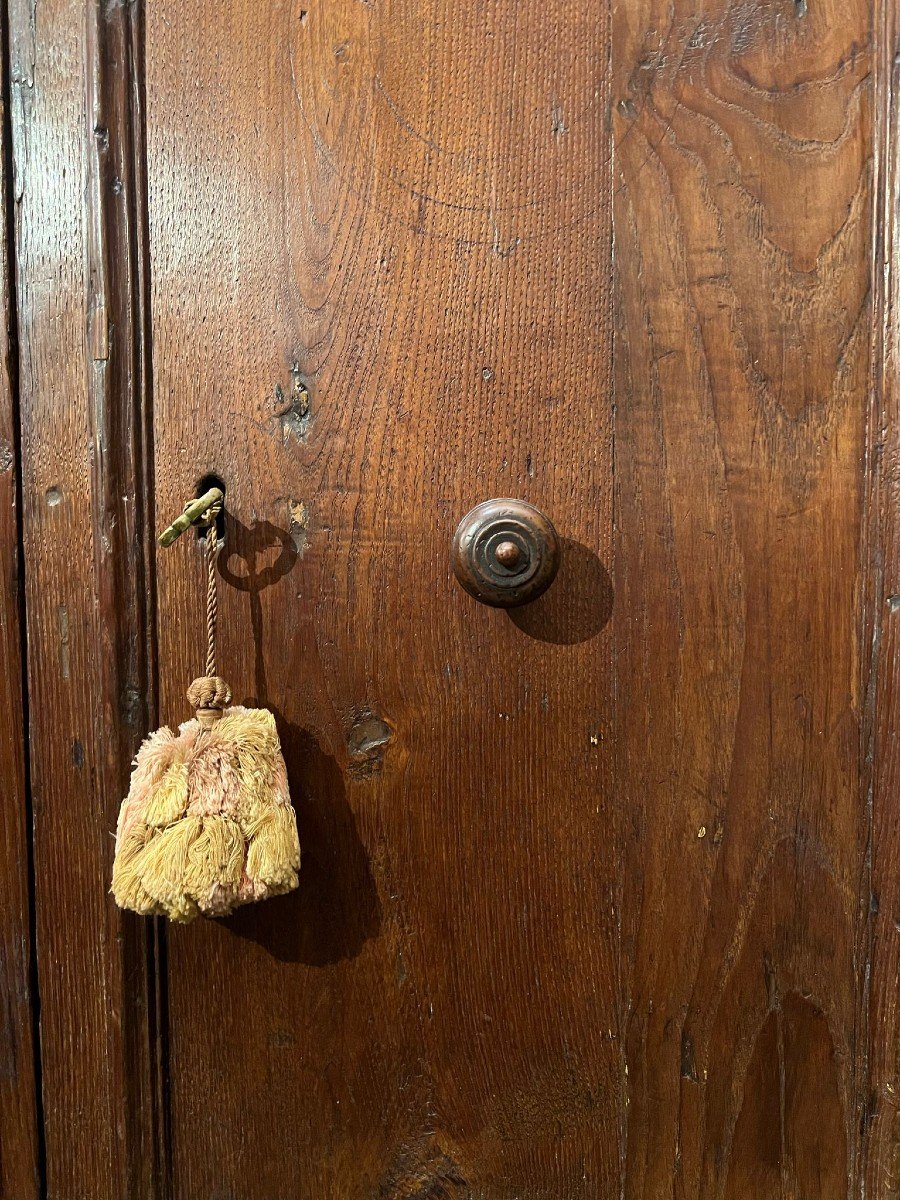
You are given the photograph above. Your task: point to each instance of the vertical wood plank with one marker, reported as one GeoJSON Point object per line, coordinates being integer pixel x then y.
{"type": "Point", "coordinates": [406, 209]}
{"type": "Point", "coordinates": [77, 198]}
{"type": "Point", "coordinates": [882, 1177]}
{"type": "Point", "coordinates": [743, 219]}
{"type": "Point", "coordinates": [19, 1138]}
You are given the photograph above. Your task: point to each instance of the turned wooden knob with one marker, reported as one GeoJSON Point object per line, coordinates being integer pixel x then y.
{"type": "Point", "coordinates": [505, 552]}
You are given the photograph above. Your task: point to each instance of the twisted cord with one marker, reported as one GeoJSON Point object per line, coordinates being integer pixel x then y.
{"type": "Point", "coordinates": [212, 596]}
{"type": "Point", "coordinates": [209, 695]}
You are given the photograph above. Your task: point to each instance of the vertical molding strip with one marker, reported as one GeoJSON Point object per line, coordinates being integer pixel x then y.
{"type": "Point", "coordinates": [80, 201]}
{"type": "Point", "coordinates": [118, 358]}
{"type": "Point", "coordinates": [20, 1125]}
{"type": "Point", "coordinates": [882, 633]}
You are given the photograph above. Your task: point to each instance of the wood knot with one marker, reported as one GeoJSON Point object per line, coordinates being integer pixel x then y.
{"type": "Point", "coordinates": [208, 695]}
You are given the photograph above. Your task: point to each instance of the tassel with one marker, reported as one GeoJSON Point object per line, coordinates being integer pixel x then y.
{"type": "Point", "coordinates": [127, 885]}
{"type": "Point", "coordinates": [272, 860]}
{"type": "Point", "coordinates": [169, 799]}
{"type": "Point", "coordinates": [208, 823]}
{"type": "Point", "coordinates": [162, 866]}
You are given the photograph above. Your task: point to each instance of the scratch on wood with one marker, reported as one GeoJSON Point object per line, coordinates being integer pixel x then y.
{"type": "Point", "coordinates": [62, 619]}
{"type": "Point", "coordinates": [688, 1058]}
{"type": "Point", "coordinates": [98, 331]}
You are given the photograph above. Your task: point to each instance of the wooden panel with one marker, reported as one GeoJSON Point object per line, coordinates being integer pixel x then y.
{"type": "Point", "coordinates": [406, 210]}
{"type": "Point", "coordinates": [743, 220]}
{"type": "Point", "coordinates": [19, 1153]}
{"type": "Point", "coordinates": [77, 209]}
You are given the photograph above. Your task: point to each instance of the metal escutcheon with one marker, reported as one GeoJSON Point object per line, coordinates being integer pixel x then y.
{"type": "Point", "coordinates": [505, 552]}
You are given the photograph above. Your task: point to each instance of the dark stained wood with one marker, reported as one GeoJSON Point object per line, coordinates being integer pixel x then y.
{"type": "Point", "coordinates": [78, 224]}
{"type": "Point", "coordinates": [599, 896]}
{"type": "Point", "coordinates": [882, 635]}
{"type": "Point", "coordinates": [743, 228]}
{"type": "Point", "coordinates": [640, 904]}
{"type": "Point", "coordinates": [19, 1149]}
{"type": "Point", "coordinates": [406, 208]}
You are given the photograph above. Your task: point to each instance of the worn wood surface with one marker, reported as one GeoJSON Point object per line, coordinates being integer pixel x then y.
{"type": "Point", "coordinates": [391, 203]}
{"type": "Point", "coordinates": [599, 898]}
{"type": "Point", "coordinates": [882, 1177]}
{"type": "Point", "coordinates": [743, 229]}
{"type": "Point", "coordinates": [80, 368]}
{"type": "Point", "coordinates": [19, 1149]}
{"type": "Point", "coordinates": [575, 917]}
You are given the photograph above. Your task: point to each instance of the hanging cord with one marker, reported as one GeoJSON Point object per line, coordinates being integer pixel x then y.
{"type": "Point", "coordinates": [210, 694]}
{"type": "Point", "coordinates": [212, 597]}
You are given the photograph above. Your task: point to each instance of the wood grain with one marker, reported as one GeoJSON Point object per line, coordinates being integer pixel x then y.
{"type": "Point", "coordinates": [77, 213]}
{"type": "Point", "coordinates": [882, 1174]}
{"type": "Point", "coordinates": [407, 211]}
{"type": "Point", "coordinates": [599, 897]}
{"type": "Point", "coordinates": [743, 224]}
{"type": "Point", "coordinates": [19, 1141]}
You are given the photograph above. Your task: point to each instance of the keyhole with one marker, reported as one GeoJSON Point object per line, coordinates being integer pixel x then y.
{"type": "Point", "coordinates": [203, 485]}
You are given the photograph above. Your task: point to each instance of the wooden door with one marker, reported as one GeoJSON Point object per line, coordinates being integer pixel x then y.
{"type": "Point", "coordinates": [599, 895]}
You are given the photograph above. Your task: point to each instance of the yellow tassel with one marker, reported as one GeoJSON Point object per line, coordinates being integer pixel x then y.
{"type": "Point", "coordinates": [216, 858]}
{"type": "Point", "coordinates": [274, 856]}
{"type": "Point", "coordinates": [163, 864]}
{"type": "Point", "coordinates": [207, 824]}
{"type": "Point", "coordinates": [127, 887]}
{"type": "Point", "coordinates": [168, 801]}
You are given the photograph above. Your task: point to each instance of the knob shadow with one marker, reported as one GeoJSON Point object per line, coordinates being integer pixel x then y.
{"type": "Point", "coordinates": [576, 606]}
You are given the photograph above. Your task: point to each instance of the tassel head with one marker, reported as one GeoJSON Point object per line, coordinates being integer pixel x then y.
{"type": "Point", "coordinates": [208, 696]}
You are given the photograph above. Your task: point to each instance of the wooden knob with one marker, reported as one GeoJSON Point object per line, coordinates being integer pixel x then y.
{"type": "Point", "coordinates": [505, 552]}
